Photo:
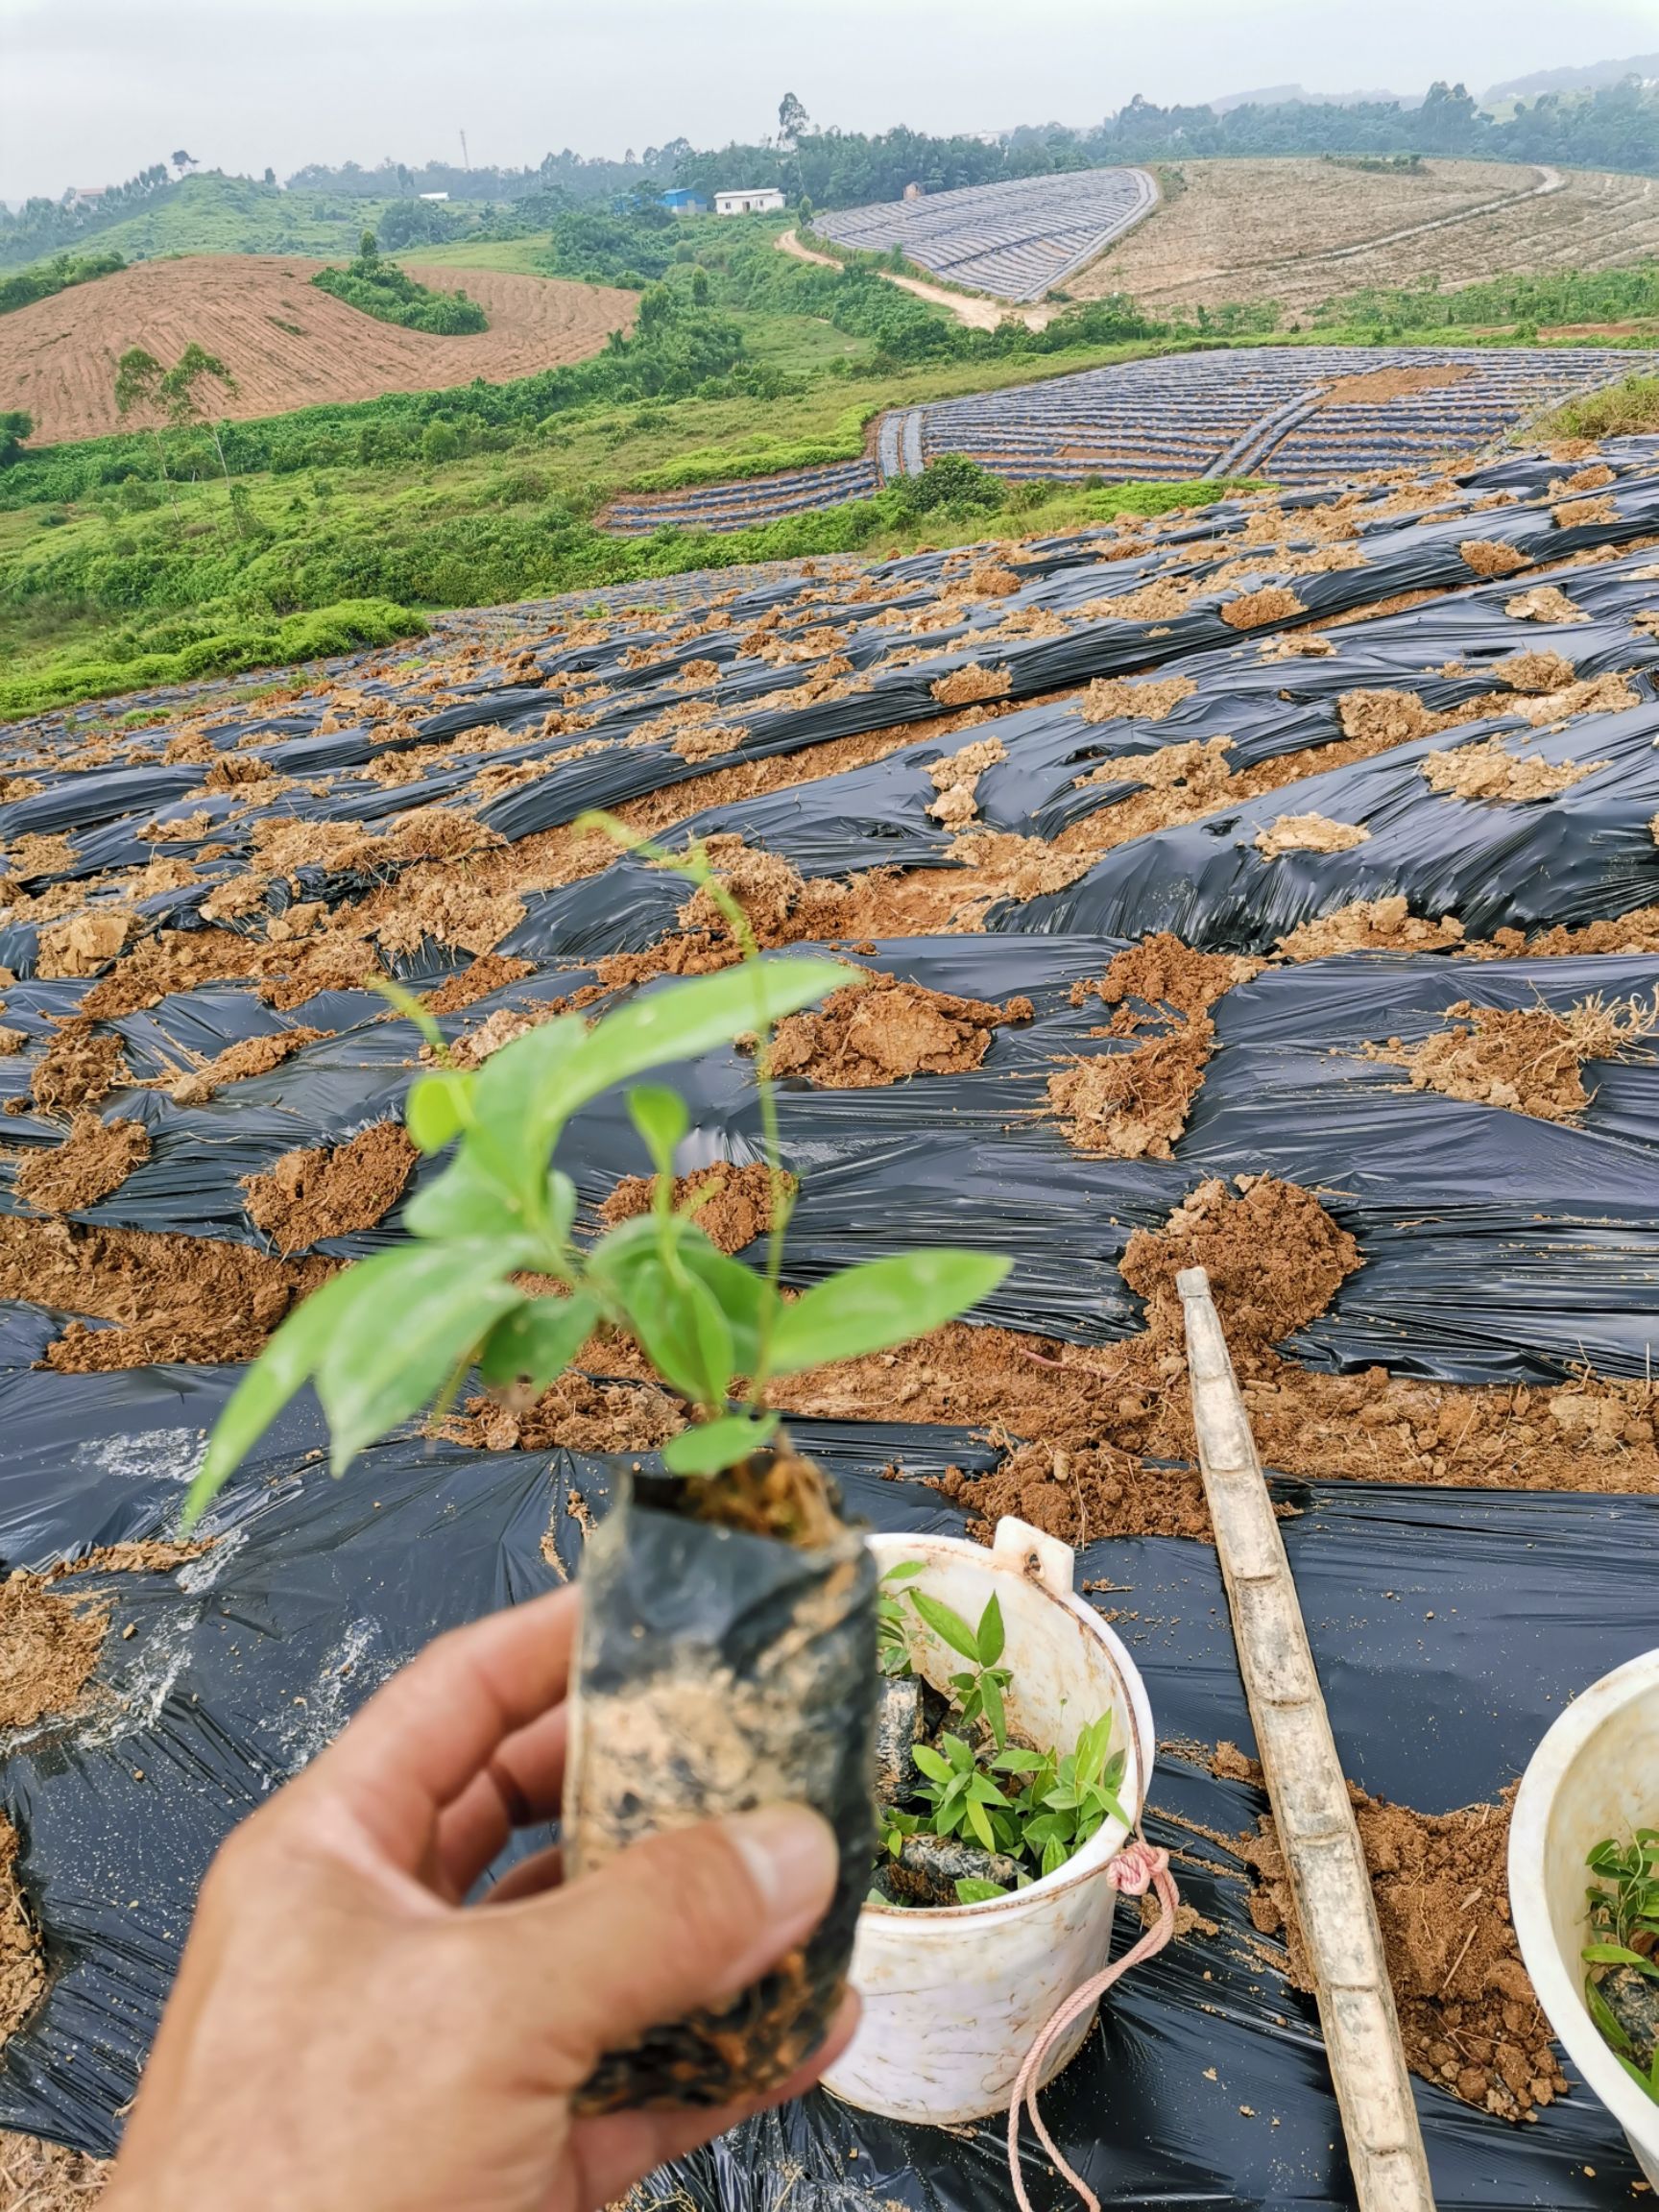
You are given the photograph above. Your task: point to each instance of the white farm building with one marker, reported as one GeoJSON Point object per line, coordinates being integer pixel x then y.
{"type": "Point", "coordinates": [765, 201]}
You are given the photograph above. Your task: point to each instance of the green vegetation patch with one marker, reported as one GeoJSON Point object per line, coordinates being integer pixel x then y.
{"type": "Point", "coordinates": [1623, 410]}
{"type": "Point", "coordinates": [58, 276]}
{"type": "Point", "coordinates": [391, 295]}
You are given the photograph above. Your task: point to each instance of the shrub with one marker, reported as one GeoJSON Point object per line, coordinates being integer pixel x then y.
{"type": "Point", "coordinates": [381, 289]}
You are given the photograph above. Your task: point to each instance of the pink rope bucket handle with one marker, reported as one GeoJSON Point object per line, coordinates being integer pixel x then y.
{"type": "Point", "coordinates": [1137, 1867]}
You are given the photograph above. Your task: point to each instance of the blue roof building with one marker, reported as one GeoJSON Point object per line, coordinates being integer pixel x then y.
{"type": "Point", "coordinates": [684, 201]}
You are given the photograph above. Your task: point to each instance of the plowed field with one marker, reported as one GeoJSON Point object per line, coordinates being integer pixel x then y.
{"type": "Point", "coordinates": [1302, 232]}
{"type": "Point", "coordinates": [287, 344]}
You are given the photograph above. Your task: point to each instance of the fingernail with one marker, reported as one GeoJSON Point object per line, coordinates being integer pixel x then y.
{"type": "Point", "coordinates": [792, 1854]}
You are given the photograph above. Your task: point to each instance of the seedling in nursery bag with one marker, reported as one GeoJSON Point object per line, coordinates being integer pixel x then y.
{"type": "Point", "coordinates": [728, 1639]}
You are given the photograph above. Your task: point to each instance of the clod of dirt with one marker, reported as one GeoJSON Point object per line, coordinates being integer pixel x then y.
{"type": "Point", "coordinates": [1492, 557]}
{"type": "Point", "coordinates": [1386, 717]}
{"type": "Point", "coordinates": [1528, 1058]}
{"type": "Point", "coordinates": [1297, 646]}
{"type": "Point", "coordinates": [1134, 1105]}
{"type": "Point", "coordinates": [734, 1203]}
{"type": "Point", "coordinates": [1115, 698]}
{"type": "Point", "coordinates": [48, 1649]}
{"type": "Point", "coordinates": [1309, 833]}
{"type": "Point", "coordinates": [143, 1555]}
{"type": "Point", "coordinates": [963, 685]}
{"type": "Point", "coordinates": [1545, 603]}
{"type": "Point", "coordinates": [1194, 773]}
{"type": "Point", "coordinates": [1468, 2018]}
{"type": "Point", "coordinates": [94, 1159]}
{"type": "Point", "coordinates": [1489, 770]}
{"type": "Point", "coordinates": [36, 2175]}
{"type": "Point", "coordinates": [174, 960]}
{"type": "Point", "coordinates": [172, 1298]}
{"type": "Point", "coordinates": [955, 779]}
{"type": "Point", "coordinates": [1080, 1494]}
{"type": "Point", "coordinates": [81, 946]}
{"type": "Point", "coordinates": [250, 1057]}
{"type": "Point", "coordinates": [867, 1036]}
{"type": "Point", "coordinates": [1274, 1257]}
{"type": "Point", "coordinates": [1273, 602]}
{"type": "Point", "coordinates": [22, 1974]}
{"type": "Point", "coordinates": [33, 855]}
{"type": "Point", "coordinates": [1580, 514]}
{"type": "Point", "coordinates": [79, 1067]}
{"type": "Point", "coordinates": [1369, 925]}
{"type": "Point", "coordinates": [781, 906]}
{"type": "Point", "coordinates": [1537, 673]}
{"type": "Point", "coordinates": [490, 972]}
{"type": "Point", "coordinates": [1590, 479]}
{"type": "Point", "coordinates": [990, 580]}
{"type": "Point", "coordinates": [1163, 971]}
{"type": "Point", "coordinates": [309, 1196]}
{"type": "Point", "coordinates": [577, 1415]}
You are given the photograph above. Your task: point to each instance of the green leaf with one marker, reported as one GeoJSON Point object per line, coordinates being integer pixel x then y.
{"type": "Point", "coordinates": [536, 1340]}
{"type": "Point", "coordinates": [904, 1570]}
{"type": "Point", "coordinates": [288, 1361]}
{"type": "Point", "coordinates": [971, 1890]}
{"type": "Point", "coordinates": [515, 1111]}
{"type": "Point", "coordinates": [979, 1821]}
{"type": "Point", "coordinates": [1017, 1760]}
{"type": "Point", "coordinates": [681, 1330]}
{"type": "Point", "coordinates": [463, 1204]}
{"type": "Point", "coordinates": [991, 1698]}
{"type": "Point", "coordinates": [946, 1624]}
{"type": "Point", "coordinates": [742, 1294]}
{"type": "Point", "coordinates": [437, 1109]}
{"type": "Point", "coordinates": [418, 1310]}
{"type": "Point", "coordinates": [661, 1119]}
{"type": "Point", "coordinates": [711, 1445]}
{"type": "Point", "coordinates": [931, 1763]}
{"type": "Point", "coordinates": [681, 1020]}
{"type": "Point", "coordinates": [413, 1010]}
{"type": "Point", "coordinates": [883, 1301]}
{"type": "Point", "coordinates": [1054, 1856]}
{"type": "Point", "coordinates": [990, 1638]}
{"type": "Point", "coordinates": [1616, 1955]}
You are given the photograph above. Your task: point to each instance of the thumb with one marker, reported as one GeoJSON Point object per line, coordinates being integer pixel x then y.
{"type": "Point", "coordinates": [671, 1925]}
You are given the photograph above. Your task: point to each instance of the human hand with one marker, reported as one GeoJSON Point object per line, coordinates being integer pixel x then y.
{"type": "Point", "coordinates": [344, 2036]}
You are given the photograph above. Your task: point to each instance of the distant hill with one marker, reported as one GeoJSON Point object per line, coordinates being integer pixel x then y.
{"type": "Point", "coordinates": [1586, 80]}
{"type": "Point", "coordinates": [219, 214]}
{"type": "Point", "coordinates": [1284, 95]}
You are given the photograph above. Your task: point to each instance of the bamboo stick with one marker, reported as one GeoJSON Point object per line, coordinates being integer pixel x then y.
{"type": "Point", "coordinates": [1304, 1783]}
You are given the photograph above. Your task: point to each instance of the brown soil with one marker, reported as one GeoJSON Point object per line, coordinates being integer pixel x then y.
{"type": "Point", "coordinates": [1309, 833]}
{"type": "Point", "coordinates": [1492, 557]}
{"type": "Point", "coordinates": [22, 1975]}
{"type": "Point", "coordinates": [1579, 513]}
{"type": "Point", "coordinates": [1134, 1105]}
{"type": "Point", "coordinates": [1161, 971]}
{"type": "Point", "coordinates": [1298, 231]}
{"type": "Point", "coordinates": [94, 1159]}
{"type": "Point", "coordinates": [1545, 603]}
{"type": "Point", "coordinates": [735, 1203]}
{"type": "Point", "coordinates": [1274, 1257]}
{"type": "Point", "coordinates": [48, 1649]}
{"type": "Point", "coordinates": [576, 1415]}
{"type": "Point", "coordinates": [173, 960]}
{"type": "Point", "coordinates": [79, 1068]}
{"type": "Point", "coordinates": [955, 781]}
{"type": "Point", "coordinates": [1082, 1494]}
{"type": "Point", "coordinates": [964, 686]}
{"type": "Point", "coordinates": [491, 971]}
{"type": "Point", "coordinates": [1273, 602]}
{"type": "Point", "coordinates": [40, 2177]}
{"type": "Point", "coordinates": [1489, 770]}
{"type": "Point", "coordinates": [1537, 673]}
{"type": "Point", "coordinates": [868, 1036]}
{"type": "Point", "coordinates": [1369, 925]}
{"type": "Point", "coordinates": [1388, 384]}
{"type": "Point", "coordinates": [310, 1195]}
{"type": "Point", "coordinates": [287, 344]}
{"type": "Point", "coordinates": [1468, 2016]}
{"type": "Point", "coordinates": [1115, 698]}
{"type": "Point", "coordinates": [145, 1555]}
{"type": "Point", "coordinates": [1526, 1059]}
{"type": "Point", "coordinates": [251, 1056]}
{"type": "Point", "coordinates": [81, 946]}
{"type": "Point", "coordinates": [173, 1298]}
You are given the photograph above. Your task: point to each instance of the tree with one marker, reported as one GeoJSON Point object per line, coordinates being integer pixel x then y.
{"type": "Point", "coordinates": [15, 425]}
{"type": "Point", "coordinates": [181, 393]}
{"type": "Point", "coordinates": [138, 379]}
{"type": "Point", "coordinates": [183, 161]}
{"type": "Point", "coordinates": [792, 119]}
{"type": "Point", "coordinates": [270, 175]}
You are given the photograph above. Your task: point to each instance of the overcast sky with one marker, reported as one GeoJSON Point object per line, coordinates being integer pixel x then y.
{"type": "Point", "coordinates": [91, 90]}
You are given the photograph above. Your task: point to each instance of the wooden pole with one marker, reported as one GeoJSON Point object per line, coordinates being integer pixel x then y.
{"type": "Point", "coordinates": [1304, 1783]}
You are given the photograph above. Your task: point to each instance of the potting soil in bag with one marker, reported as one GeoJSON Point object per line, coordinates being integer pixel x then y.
{"type": "Point", "coordinates": [719, 1671]}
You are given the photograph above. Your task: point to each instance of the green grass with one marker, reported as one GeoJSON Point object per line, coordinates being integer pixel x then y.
{"type": "Point", "coordinates": [235, 215]}
{"type": "Point", "coordinates": [1626, 410]}
{"type": "Point", "coordinates": [525, 257]}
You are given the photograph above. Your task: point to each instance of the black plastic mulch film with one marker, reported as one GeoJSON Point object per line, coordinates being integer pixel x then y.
{"type": "Point", "coordinates": [1449, 1627]}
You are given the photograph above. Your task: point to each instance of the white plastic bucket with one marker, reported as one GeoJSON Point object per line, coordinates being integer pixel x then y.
{"type": "Point", "coordinates": [954, 1997]}
{"type": "Point", "coordinates": [1595, 1775]}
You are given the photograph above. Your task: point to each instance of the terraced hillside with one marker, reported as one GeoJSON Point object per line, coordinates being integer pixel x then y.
{"type": "Point", "coordinates": [1301, 232]}
{"type": "Point", "coordinates": [1013, 240]}
{"type": "Point", "coordinates": [287, 344]}
{"type": "Point", "coordinates": [1275, 890]}
{"type": "Point", "coordinates": [1298, 413]}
